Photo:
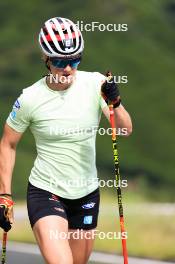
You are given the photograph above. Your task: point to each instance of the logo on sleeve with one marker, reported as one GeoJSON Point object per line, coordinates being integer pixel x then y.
{"type": "Point", "coordinates": [13, 114]}
{"type": "Point", "coordinates": [87, 220]}
{"type": "Point", "coordinates": [16, 107]}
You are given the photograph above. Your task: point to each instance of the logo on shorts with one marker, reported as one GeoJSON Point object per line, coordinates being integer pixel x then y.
{"type": "Point", "coordinates": [54, 198]}
{"type": "Point", "coordinates": [88, 206]}
{"type": "Point", "coordinates": [59, 209]}
{"type": "Point", "coordinates": [87, 220]}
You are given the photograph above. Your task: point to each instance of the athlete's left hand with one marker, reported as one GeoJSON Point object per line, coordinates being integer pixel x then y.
{"type": "Point", "coordinates": [110, 91]}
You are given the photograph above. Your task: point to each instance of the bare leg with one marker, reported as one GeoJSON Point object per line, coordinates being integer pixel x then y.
{"type": "Point", "coordinates": [82, 247]}
{"type": "Point", "coordinates": [54, 249]}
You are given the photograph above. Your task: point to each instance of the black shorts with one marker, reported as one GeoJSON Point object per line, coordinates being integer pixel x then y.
{"type": "Point", "coordinates": [80, 213]}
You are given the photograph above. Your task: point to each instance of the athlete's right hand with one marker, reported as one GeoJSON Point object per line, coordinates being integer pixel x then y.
{"type": "Point", "coordinates": [6, 212]}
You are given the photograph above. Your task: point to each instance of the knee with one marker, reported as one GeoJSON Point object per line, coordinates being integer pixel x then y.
{"type": "Point", "coordinates": [64, 260]}
{"type": "Point", "coordinates": [82, 260]}
{"type": "Point", "coordinates": [61, 259]}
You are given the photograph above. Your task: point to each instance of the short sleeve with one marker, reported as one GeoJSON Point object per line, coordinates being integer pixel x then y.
{"type": "Point", "coordinates": [102, 103]}
{"type": "Point", "coordinates": [19, 118]}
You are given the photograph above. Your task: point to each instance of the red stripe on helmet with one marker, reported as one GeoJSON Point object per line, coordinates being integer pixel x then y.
{"type": "Point", "coordinates": [48, 37]}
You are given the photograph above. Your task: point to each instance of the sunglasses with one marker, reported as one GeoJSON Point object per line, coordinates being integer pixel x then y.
{"type": "Point", "coordinates": [58, 63]}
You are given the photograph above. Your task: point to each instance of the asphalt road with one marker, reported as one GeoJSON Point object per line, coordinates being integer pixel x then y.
{"type": "Point", "coordinates": [21, 253]}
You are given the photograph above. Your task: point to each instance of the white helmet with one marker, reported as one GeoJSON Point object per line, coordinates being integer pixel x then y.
{"type": "Point", "coordinates": [60, 37]}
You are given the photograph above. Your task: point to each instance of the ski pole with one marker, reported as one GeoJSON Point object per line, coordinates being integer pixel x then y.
{"type": "Point", "coordinates": [4, 243]}
{"type": "Point", "coordinates": [118, 177]}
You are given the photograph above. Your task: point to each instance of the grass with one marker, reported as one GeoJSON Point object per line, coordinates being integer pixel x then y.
{"type": "Point", "coordinates": [149, 235]}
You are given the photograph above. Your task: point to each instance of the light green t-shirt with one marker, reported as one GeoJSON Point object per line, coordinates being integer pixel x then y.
{"type": "Point", "coordinates": [64, 125]}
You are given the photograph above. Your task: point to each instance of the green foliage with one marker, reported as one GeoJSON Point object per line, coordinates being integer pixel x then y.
{"type": "Point", "coordinates": [145, 54]}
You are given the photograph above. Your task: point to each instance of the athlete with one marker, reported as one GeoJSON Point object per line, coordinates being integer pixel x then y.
{"type": "Point", "coordinates": [63, 111]}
